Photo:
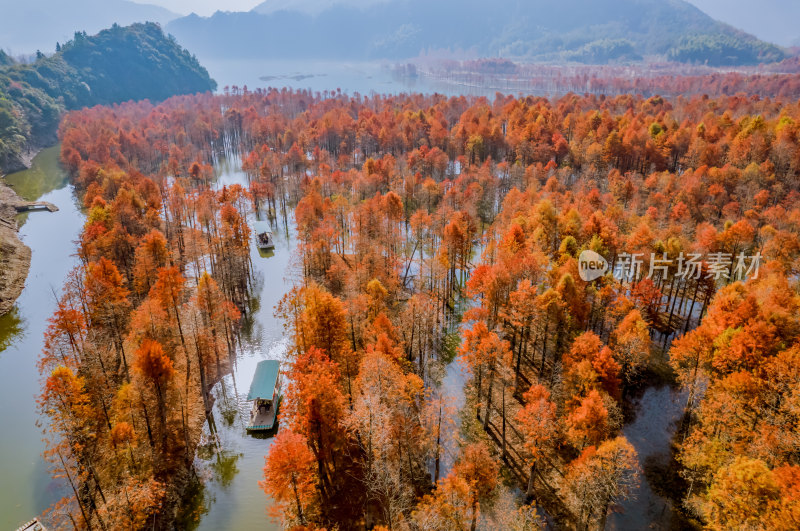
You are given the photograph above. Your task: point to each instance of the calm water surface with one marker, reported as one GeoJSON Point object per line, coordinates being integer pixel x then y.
{"type": "Point", "coordinates": [232, 462]}
{"type": "Point", "coordinates": [26, 488]}
{"type": "Point", "coordinates": [319, 76]}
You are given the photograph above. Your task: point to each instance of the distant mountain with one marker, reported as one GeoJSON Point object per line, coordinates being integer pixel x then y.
{"type": "Point", "coordinates": [122, 63]}
{"type": "Point", "coordinates": [31, 25]}
{"type": "Point", "coordinates": [589, 31]}
{"type": "Point", "coordinates": [312, 7]}
{"type": "Point", "coordinates": [770, 20]}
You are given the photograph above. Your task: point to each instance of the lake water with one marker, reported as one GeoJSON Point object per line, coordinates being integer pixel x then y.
{"type": "Point", "coordinates": [351, 77]}
{"type": "Point", "coordinates": [26, 488]}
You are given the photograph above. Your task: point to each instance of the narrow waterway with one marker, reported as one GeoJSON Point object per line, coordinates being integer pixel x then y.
{"type": "Point", "coordinates": [26, 488]}
{"type": "Point", "coordinates": [231, 462]}
{"type": "Point", "coordinates": [658, 412]}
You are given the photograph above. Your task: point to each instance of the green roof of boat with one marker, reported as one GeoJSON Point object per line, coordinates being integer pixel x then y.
{"type": "Point", "coordinates": [260, 227]}
{"type": "Point", "coordinates": [265, 380]}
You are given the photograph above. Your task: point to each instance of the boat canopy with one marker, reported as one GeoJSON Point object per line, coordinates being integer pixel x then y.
{"type": "Point", "coordinates": [261, 227]}
{"type": "Point", "coordinates": [265, 380]}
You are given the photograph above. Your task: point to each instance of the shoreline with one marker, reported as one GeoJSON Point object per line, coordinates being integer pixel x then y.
{"type": "Point", "coordinates": [23, 161]}
{"type": "Point", "coordinates": [15, 256]}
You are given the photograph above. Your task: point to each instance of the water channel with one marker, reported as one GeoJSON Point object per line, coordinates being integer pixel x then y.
{"type": "Point", "coordinates": [231, 463]}
{"type": "Point", "coordinates": [27, 488]}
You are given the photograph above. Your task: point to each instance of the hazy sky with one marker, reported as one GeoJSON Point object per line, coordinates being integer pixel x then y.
{"type": "Point", "coordinates": [203, 7]}
{"type": "Point", "coordinates": [208, 7]}
{"type": "Point", "coordinates": [771, 20]}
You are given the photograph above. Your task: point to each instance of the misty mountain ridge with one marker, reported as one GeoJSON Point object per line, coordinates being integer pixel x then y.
{"type": "Point", "coordinates": [588, 31]}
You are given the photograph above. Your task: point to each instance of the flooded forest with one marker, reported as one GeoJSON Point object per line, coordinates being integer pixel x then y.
{"type": "Point", "coordinates": [446, 361]}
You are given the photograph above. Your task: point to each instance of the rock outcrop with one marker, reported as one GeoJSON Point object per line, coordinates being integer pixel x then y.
{"type": "Point", "coordinates": [15, 256]}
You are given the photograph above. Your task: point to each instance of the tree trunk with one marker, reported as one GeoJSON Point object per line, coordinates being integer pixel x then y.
{"type": "Point", "coordinates": [297, 500]}
{"type": "Point", "coordinates": [474, 523]}
{"type": "Point", "coordinates": [488, 401]}
{"type": "Point", "coordinates": [529, 492]}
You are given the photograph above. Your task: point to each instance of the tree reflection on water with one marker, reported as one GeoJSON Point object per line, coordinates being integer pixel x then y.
{"type": "Point", "coordinates": [11, 328]}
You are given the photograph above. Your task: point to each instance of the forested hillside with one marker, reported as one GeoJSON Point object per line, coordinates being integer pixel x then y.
{"type": "Point", "coordinates": [118, 64]}
{"type": "Point", "coordinates": [435, 229]}
{"type": "Point", "coordinates": [573, 30]}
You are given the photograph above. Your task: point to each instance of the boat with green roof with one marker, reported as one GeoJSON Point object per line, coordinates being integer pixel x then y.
{"type": "Point", "coordinates": [265, 393]}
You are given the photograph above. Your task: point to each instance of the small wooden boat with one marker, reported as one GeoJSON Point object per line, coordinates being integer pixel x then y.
{"type": "Point", "coordinates": [265, 392]}
{"type": "Point", "coordinates": [264, 239]}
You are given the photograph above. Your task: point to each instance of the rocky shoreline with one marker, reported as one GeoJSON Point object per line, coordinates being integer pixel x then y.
{"type": "Point", "coordinates": [15, 256]}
